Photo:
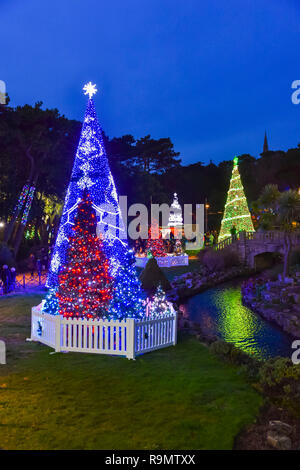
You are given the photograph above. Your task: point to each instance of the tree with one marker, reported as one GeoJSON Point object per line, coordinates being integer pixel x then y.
{"type": "Point", "coordinates": [85, 285]}
{"type": "Point", "coordinates": [152, 276]}
{"type": "Point", "coordinates": [160, 306]}
{"type": "Point", "coordinates": [156, 156]}
{"type": "Point", "coordinates": [51, 303]}
{"type": "Point", "coordinates": [155, 244]}
{"type": "Point", "coordinates": [127, 298]}
{"type": "Point", "coordinates": [34, 139]}
{"type": "Point", "coordinates": [236, 213]}
{"type": "Point", "coordinates": [91, 170]}
{"type": "Point", "coordinates": [175, 218]}
{"type": "Point", "coordinates": [281, 209]}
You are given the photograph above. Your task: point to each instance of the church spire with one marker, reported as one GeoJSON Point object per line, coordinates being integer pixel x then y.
{"type": "Point", "coordinates": [266, 147]}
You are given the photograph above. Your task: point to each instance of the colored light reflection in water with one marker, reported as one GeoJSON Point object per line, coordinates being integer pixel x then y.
{"type": "Point", "coordinates": [220, 311]}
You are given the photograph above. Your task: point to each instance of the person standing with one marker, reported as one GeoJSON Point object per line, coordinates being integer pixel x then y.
{"type": "Point", "coordinates": [13, 274]}
{"type": "Point", "coordinates": [233, 233]}
{"type": "Point", "coordinates": [5, 277]}
{"type": "Point", "coordinates": [31, 264]}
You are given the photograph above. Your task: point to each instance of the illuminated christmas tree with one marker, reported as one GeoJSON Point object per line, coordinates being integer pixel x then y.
{"type": "Point", "coordinates": [127, 298]}
{"type": "Point", "coordinates": [91, 170]}
{"type": "Point", "coordinates": [51, 302]}
{"type": "Point", "coordinates": [160, 306]}
{"type": "Point", "coordinates": [155, 244]}
{"type": "Point", "coordinates": [175, 218]}
{"type": "Point", "coordinates": [85, 285]}
{"type": "Point", "coordinates": [236, 215]}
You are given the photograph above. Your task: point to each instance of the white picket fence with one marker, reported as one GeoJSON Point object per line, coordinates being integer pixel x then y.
{"type": "Point", "coordinates": [128, 337]}
{"type": "Point", "coordinates": [163, 261]}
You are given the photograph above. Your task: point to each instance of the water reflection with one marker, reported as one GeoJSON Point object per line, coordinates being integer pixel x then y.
{"type": "Point", "coordinates": [220, 311]}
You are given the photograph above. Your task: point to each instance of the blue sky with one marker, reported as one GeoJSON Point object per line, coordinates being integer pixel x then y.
{"type": "Point", "coordinates": [212, 75]}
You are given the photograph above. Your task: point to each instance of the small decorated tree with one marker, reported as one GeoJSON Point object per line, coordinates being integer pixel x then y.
{"type": "Point", "coordinates": [85, 284]}
{"type": "Point", "coordinates": [155, 244]}
{"type": "Point", "coordinates": [160, 306]}
{"type": "Point", "coordinates": [175, 218]}
{"type": "Point", "coordinates": [51, 302]}
{"type": "Point", "coordinates": [127, 298]}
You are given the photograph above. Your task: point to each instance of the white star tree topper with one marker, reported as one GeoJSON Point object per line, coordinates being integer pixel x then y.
{"type": "Point", "coordinates": [89, 89]}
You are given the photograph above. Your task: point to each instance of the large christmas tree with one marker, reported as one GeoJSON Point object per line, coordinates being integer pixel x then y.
{"type": "Point", "coordinates": [89, 277]}
{"type": "Point", "coordinates": [236, 213]}
{"type": "Point", "coordinates": [91, 171]}
{"type": "Point", "coordinates": [85, 285]}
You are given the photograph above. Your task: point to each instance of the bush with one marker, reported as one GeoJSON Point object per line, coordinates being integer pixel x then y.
{"type": "Point", "coordinates": [279, 378]}
{"type": "Point", "coordinates": [219, 260]}
{"type": "Point", "coordinates": [295, 257]}
{"type": "Point", "coordinates": [230, 353]}
{"type": "Point", "coordinates": [6, 256]}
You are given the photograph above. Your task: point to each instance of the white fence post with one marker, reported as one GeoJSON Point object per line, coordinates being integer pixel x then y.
{"type": "Point", "coordinates": [175, 330]}
{"type": "Point", "coordinates": [57, 333]}
{"type": "Point", "coordinates": [130, 339]}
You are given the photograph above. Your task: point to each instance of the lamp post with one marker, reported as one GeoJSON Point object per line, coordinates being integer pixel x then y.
{"type": "Point", "coordinates": [206, 206]}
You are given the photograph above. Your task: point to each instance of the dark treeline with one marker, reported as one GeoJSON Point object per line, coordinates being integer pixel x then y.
{"type": "Point", "coordinates": [38, 146]}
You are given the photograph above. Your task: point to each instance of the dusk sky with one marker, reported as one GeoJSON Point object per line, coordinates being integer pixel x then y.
{"type": "Point", "coordinates": [210, 75]}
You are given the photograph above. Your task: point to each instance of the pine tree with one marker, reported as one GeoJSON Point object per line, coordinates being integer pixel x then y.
{"type": "Point", "coordinates": [127, 298]}
{"type": "Point", "coordinates": [85, 284]}
{"type": "Point", "coordinates": [155, 244]}
{"type": "Point", "coordinates": [160, 306]}
{"type": "Point", "coordinates": [236, 215]}
{"type": "Point", "coordinates": [91, 170]}
{"type": "Point", "coordinates": [152, 275]}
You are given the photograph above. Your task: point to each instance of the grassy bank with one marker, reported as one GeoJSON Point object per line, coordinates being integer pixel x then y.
{"type": "Point", "coordinates": [177, 398]}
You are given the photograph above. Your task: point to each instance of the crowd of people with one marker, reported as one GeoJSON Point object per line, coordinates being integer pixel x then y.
{"type": "Point", "coordinates": [36, 265]}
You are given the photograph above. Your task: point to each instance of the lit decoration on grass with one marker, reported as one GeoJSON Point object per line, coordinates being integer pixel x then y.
{"type": "Point", "coordinates": [85, 285]}
{"type": "Point", "coordinates": [91, 170]}
{"type": "Point", "coordinates": [155, 244]}
{"type": "Point", "coordinates": [236, 213]}
{"type": "Point", "coordinates": [159, 305]}
{"type": "Point", "coordinates": [175, 218]}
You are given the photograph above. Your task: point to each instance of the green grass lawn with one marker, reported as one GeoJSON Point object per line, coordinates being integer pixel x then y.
{"type": "Point", "coordinates": [175, 398]}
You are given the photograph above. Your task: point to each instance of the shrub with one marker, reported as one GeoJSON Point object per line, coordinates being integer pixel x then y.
{"type": "Point", "coordinates": [6, 255]}
{"type": "Point", "coordinates": [219, 260]}
{"type": "Point", "coordinates": [213, 260]}
{"type": "Point", "coordinates": [229, 352]}
{"type": "Point", "coordinates": [295, 257]}
{"type": "Point", "coordinates": [279, 378]}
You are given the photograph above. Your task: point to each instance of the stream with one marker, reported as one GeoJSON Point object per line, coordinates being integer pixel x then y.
{"type": "Point", "coordinates": [220, 312]}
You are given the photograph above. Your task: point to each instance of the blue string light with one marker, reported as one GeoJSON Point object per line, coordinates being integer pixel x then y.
{"type": "Point", "coordinates": [91, 170]}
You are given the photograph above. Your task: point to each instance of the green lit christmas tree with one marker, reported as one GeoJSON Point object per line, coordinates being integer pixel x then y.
{"type": "Point", "coordinates": [236, 217]}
